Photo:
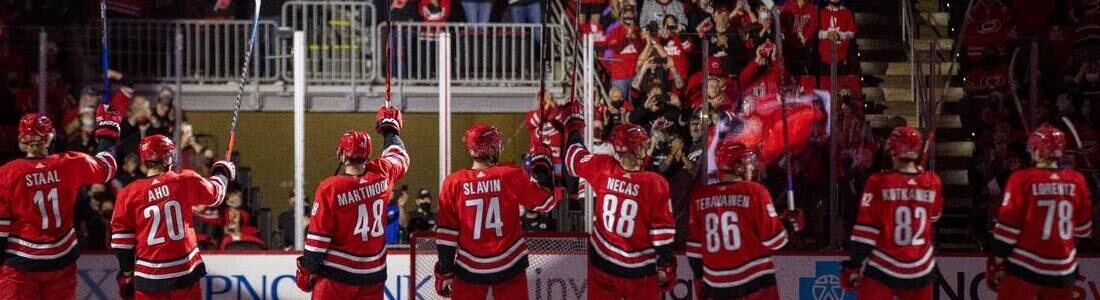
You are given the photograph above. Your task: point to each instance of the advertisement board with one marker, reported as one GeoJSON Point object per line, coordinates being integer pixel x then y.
{"type": "Point", "coordinates": [271, 276]}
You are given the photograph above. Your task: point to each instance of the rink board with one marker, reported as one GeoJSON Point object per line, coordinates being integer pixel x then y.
{"type": "Point", "coordinates": [260, 275]}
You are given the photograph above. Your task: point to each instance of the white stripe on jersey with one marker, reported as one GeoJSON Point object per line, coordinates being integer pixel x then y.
{"type": "Point", "coordinates": [866, 228]}
{"type": "Point", "coordinates": [493, 270]}
{"type": "Point", "coordinates": [1007, 228]}
{"type": "Point", "coordinates": [919, 262]}
{"type": "Point", "coordinates": [122, 246]}
{"type": "Point", "coordinates": [354, 270]}
{"type": "Point", "coordinates": [169, 275]}
{"type": "Point", "coordinates": [32, 245]}
{"type": "Point", "coordinates": [738, 282]}
{"type": "Point", "coordinates": [318, 238]}
{"type": "Point", "coordinates": [778, 241]}
{"type": "Point", "coordinates": [493, 259]}
{"type": "Point", "coordinates": [357, 258]}
{"type": "Point", "coordinates": [191, 255]}
{"type": "Point", "coordinates": [122, 235]}
{"type": "Point", "coordinates": [738, 270]}
{"type": "Point", "coordinates": [43, 257]}
{"type": "Point", "coordinates": [864, 240]}
{"type": "Point", "coordinates": [926, 270]}
{"type": "Point", "coordinates": [1070, 258]}
{"type": "Point", "coordinates": [619, 251]}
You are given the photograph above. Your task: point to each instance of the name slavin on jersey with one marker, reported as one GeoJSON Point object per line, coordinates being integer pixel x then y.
{"type": "Point", "coordinates": [361, 193]}
{"type": "Point", "coordinates": [481, 187]}
{"type": "Point", "coordinates": [158, 193]}
{"type": "Point", "coordinates": [1053, 189]}
{"type": "Point", "coordinates": [907, 194]}
{"type": "Point", "coordinates": [723, 200]}
{"type": "Point", "coordinates": [624, 187]}
{"type": "Point", "coordinates": [41, 178]}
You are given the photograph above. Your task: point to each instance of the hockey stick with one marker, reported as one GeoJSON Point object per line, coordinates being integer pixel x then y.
{"type": "Point", "coordinates": [389, 54]}
{"type": "Point", "coordinates": [1080, 151]}
{"type": "Point", "coordinates": [1015, 86]}
{"type": "Point", "coordinates": [781, 64]}
{"type": "Point", "coordinates": [240, 85]}
{"type": "Point", "coordinates": [105, 55]}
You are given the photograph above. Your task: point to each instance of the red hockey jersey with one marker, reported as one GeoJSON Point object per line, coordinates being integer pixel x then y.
{"type": "Point", "coordinates": [988, 26]}
{"type": "Point", "coordinates": [843, 22]}
{"type": "Point", "coordinates": [479, 218]}
{"type": "Point", "coordinates": [1043, 211]}
{"type": "Point", "coordinates": [894, 227]}
{"type": "Point", "coordinates": [733, 230]}
{"type": "Point", "coordinates": [37, 200]}
{"type": "Point", "coordinates": [633, 223]}
{"type": "Point", "coordinates": [346, 239]}
{"type": "Point", "coordinates": [801, 20]}
{"type": "Point", "coordinates": [151, 228]}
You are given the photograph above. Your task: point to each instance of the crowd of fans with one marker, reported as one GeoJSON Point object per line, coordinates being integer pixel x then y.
{"type": "Point", "coordinates": [1051, 50]}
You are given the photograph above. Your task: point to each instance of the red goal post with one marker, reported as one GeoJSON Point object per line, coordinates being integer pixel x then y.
{"type": "Point", "coordinates": [549, 253]}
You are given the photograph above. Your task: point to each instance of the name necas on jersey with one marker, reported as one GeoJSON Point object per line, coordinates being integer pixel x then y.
{"type": "Point", "coordinates": [895, 221]}
{"type": "Point", "coordinates": [37, 200]}
{"type": "Point", "coordinates": [479, 231]}
{"type": "Point", "coordinates": [346, 238]}
{"type": "Point", "coordinates": [1042, 213]}
{"type": "Point", "coordinates": [633, 214]}
{"type": "Point", "coordinates": [152, 224]}
{"type": "Point", "coordinates": [733, 230]}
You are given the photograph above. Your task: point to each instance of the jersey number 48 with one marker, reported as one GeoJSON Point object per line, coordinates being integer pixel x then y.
{"type": "Point", "coordinates": [369, 224]}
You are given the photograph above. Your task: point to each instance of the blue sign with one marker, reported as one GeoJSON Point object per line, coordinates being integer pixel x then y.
{"type": "Point", "coordinates": [825, 285]}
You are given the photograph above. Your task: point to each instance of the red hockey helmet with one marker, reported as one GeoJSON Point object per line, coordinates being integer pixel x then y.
{"type": "Point", "coordinates": [35, 129]}
{"type": "Point", "coordinates": [904, 142]}
{"type": "Point", "coordinates": [355, 144]}
{"type": "Point", "coordinates": [1046, 142]}
{"type": "Point", "coordinates": [730, 152]}
{"type": "Point", "coordinates": [483, 141]}
{"type": "Point", "coordinates": [628, 137]}
{"type": "Point", "coordinates": [157, 148]}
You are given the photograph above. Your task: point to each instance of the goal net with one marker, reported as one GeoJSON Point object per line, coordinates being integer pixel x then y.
{"type": "Point", "coordinates": [558, 265]}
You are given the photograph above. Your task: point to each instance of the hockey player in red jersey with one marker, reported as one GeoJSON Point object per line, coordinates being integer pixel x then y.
{"type": "Point", "coordinates": [478, 230]}
{"type": "Point", "coordinates": [345, 245]}
{"type": "Point", "coordinates": [891, 243]}
{"type": "Point", "coordinates": [1045, 209]}
{"type": "Point", "coordinates": [734, 227]}
{"type": "Point", "coordinates": [633, 226]}
{"type": "Point", "coordinates": [151, 230]}
{"type": "Point", "coordinates": [37, 200]}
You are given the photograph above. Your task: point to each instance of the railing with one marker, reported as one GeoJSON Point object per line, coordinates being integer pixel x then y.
{"type": "Point", "coordinates": [482, 54]}
{"type": "Point", "coordinates": [340, 39]}
{"type": "Point", "coordinates": [213, 50]}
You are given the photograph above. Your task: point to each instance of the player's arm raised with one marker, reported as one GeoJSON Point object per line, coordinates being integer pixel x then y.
{"type": "Point", "coordinates": [101, 166]}
{"type": "Point", "coordinates": [535, 190]}
{"type": "Point", "coordinates": [123, 240]}
{"type": "Point", "coordinates": [222, 173]}
{"type": "Point", "coordinates": [318, 237]}
{"type": "Point", "coordinates": [394, 160]}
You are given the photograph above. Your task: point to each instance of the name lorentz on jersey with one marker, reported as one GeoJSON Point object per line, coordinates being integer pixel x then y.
{"type": "Point", "coordinates": [1043, 212]}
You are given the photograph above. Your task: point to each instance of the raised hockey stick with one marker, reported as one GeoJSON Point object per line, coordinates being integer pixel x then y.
{"type": "Point", "coordinates": [1080, 148]}
{"type": "Point", "coordinates": [105, 55]}
{"type": "Point", "coordinates": [244, 76]}
{"type": "Point", "coordinates": [781, 64]}
{"type": "Point", "coordinates": [389, 54]}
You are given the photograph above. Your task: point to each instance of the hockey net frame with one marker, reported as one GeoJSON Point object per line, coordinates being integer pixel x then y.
{"type": "Point", "coordinates": [422, 249]}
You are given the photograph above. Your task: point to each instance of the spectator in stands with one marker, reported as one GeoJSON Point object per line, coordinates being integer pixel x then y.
{"type": "Point", "coordinates": [421, 219]}
{"type": "Point", "coordinates": [624, 43]}
{"type": "Point", "coordinates": [435, 11]}
{"type": "Point", "coordinates": [657, 10]}
{"type": "Point", "coordinates": [528, 12]}
{"type": "Point", "coordinates": [477, 11]}
{"type": "Point", "coordinates": [700, 20]}
{"type": "Point", "coordinates": [668, 43]}
{"type": "Point", "coordinates": [989, 26]}
{"type": "Point", "coordinates": [132, 169]}
{"type": "Point", "coordinates": [95, 225]}
{"type": "Point", "coordinates": [235, 221]}
{"type": "Point", "coordinates": [837, 28]}
{"type": "Point", "coordinates": [741, 18]}
{"type": "Point", "coordinates": [286, 221]}
{"type": "Point", "coordinates": [83, 139]}
{"type": "Point", "coordinates": [397, 203]}
{"type": "Point", "coordinates": [138, 125]}
{"type": "Point", "coordinates": [591, 10]}
{"type": "Point", "coordinates": [164, 114]}
{"type": "Point", "coordinates": [799, 19]}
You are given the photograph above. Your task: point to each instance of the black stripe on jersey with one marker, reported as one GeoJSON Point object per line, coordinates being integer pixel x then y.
{"type": "Point", "coordinates": [168, 260]}
{"type": "Point", "coordinates": [35, 265]}
{"type": "Point", "coordinates": [901, 283]}
{"type": "Point", "coordinates": [1040, 279]}
{"type": "Point", "coordinates": [168, 284]}
{"type": "Point", "coordinates": [741, 291]}
{"type": "Point", "coordinates": [498, 277]}
{"type": "Point", "coordinates": [615, 269]}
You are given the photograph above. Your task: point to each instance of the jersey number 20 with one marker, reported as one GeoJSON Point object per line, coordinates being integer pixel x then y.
{"type": "Point", "coordinates": [173, 220]}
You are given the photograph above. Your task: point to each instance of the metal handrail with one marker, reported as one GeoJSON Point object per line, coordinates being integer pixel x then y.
{"type": "Point", "coordinates": [211, 49]}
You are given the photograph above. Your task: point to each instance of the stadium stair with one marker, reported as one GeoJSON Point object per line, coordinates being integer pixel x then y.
{"type": "Point", "coordinates": [886, 67]}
